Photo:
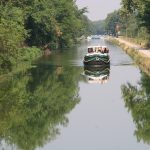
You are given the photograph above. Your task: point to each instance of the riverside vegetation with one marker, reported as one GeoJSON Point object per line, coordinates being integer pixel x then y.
{"type": "Point", "coordinates": [133, 23]}
{"type": "Point", "coordinates": [132, 20]}
{"type": "Point", "coordinates": [26, 26]}
{"type": "Point", "coordinates": [29, 26]}
{"type": "Point", "coordinates": [141, 60]}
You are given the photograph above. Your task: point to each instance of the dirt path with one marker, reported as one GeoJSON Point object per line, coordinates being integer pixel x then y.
{"type": "Point", "coordinates": [143, 51]}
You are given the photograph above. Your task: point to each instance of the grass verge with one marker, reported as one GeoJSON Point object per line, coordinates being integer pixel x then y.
{"type": "Point", "coordinates": [140, 59]}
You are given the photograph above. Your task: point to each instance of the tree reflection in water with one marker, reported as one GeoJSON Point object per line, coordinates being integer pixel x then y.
{"type": "Point", "coordinates": [34, 104]}
{"type": "Point", "coordinates": [137, 100]}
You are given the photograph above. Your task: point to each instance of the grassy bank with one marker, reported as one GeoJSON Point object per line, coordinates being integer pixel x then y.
{"type": "Point", "coordinates": [141, 60]}
{"type": "Point", "coordinates": [139, 41]}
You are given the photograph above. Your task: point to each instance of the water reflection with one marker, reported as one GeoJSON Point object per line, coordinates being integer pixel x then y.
{"type": "Point", "coordinates": [34, 104]}
{"type": "Point", "coordinates": [137, 100]}
{"type": "Point", "coordinates": [97, 74]}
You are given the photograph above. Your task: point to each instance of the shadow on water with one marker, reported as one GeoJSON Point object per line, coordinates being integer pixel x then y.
{"type": "Point", "coordinates": [34, 104]}
{"type": "Point", "coordinates": [137, 101]}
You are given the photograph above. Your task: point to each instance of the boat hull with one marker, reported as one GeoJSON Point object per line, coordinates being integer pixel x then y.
{"type": "Point", "coordinates": [96, 60]}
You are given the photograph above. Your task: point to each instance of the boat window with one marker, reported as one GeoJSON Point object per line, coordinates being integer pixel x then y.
{"type": "Point", "coordinates": [90, 50]}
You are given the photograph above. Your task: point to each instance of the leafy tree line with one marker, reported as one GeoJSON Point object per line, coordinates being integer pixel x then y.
{"type": "Point", "coordinates": [132, 20]}
{"type": "Point", "coordinates": [111, 21]}
{"type": "Point", "coordinates": [98, 27]}
{"type": "Point", "coordinates": [37, 23]}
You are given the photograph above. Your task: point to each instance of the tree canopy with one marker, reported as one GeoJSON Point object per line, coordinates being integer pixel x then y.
{"type": "Point", "coordinates": [141, 10]}
{"type": "Point", "coordinates": [42, 23]}
{"type": "Point", "coordinates": [132, 20]}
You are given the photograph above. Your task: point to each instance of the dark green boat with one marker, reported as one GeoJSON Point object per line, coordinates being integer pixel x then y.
{"type": "Point", "coordinates": [97, 55]}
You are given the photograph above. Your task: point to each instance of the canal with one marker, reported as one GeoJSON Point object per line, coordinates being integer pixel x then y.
{"type": "Point", "coordinates": [55, 105]}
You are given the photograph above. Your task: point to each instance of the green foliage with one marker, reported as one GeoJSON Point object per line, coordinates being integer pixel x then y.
{"type": "Point", "coordinates": [92, 27]}
{"type": "Point", "coordinates": [111, 21]}
{"type": "Point", "coordinates": [130, 26]}
{"type": "Point", "coordinates": [88, 26]}
{"type": "Point", "coordinates": [12, 34]}
{"type": "Point", "coordinates": [29, 53]}
{"type": "Point", "coordinates": [70, 21]}
{"type": "Point", "coordinates": [54, 22]}
{"type": "Point", "coordinates": [41, 23]}
{"type": "Point", "coordinates": [140, 8]}
{"type": "Point", "coordinates": [99, 27]}
{"type": "Point", "coordinates": [135, 19]}
{"type": "Point", "coordinates": [128, 5]}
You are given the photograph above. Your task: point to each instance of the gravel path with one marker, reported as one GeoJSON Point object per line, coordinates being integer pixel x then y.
{"type": "Point", "coordinates": [145, 52]}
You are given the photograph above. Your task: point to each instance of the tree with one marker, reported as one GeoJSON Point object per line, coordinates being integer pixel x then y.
{"type": "Point", "coordinates": [141, 10]}
{"type": "Point", "coordinates": [99, 26]}
{"type": "Point", "coordinates": [111, 21]}
{"type": "Point", "coordinates": [45, 24]}
{"type": "Point", "coordinates": [12, 34]}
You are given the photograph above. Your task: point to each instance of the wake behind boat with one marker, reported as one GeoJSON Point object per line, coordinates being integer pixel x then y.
{"type": "Point", "coordinates": [97, 55]}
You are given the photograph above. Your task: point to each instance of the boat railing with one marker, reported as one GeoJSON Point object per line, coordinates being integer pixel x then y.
{"type": "Point", "coordinates": [98, 49]}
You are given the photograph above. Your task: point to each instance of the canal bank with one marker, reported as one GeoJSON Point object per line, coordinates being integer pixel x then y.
{"type": "Point", "coordinates": [140, 55]}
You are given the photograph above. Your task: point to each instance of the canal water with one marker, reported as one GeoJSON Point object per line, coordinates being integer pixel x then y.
{"type": "Point", "coordinates": [58, 104]}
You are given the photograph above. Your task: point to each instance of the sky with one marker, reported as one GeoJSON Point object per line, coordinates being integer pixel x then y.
{"type": "Point", "coordinates": [98, 9]}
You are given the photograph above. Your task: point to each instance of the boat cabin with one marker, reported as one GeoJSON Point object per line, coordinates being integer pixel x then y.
{"type": "Point", "coordinates": [97, 49]}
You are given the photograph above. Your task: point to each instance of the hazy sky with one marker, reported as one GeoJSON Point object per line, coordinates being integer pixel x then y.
{"type": "Point", "coordinates": [98, 9]}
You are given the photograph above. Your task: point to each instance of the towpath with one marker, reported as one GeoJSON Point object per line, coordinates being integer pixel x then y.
{"type": "Point", "coordinates": [145, 52]}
